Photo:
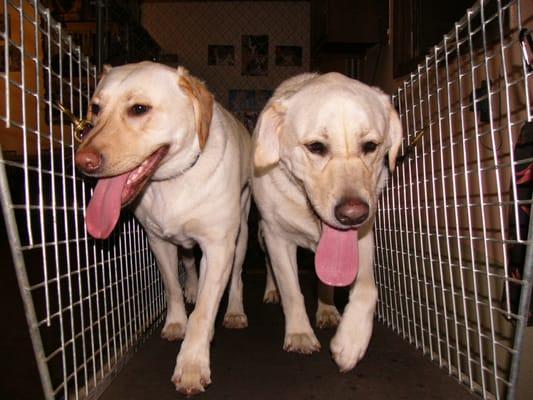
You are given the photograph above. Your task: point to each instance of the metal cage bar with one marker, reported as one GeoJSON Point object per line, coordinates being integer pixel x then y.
{"type": "Point", "coordinates": [442, 230]}
{"type": "Point", "coordinates": [88, 303]}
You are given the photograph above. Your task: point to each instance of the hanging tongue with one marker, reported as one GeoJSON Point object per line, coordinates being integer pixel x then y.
{"type": "Point", "coordinates": [104, 208]}
{"type": "Point", "coordinates": [337, 256]}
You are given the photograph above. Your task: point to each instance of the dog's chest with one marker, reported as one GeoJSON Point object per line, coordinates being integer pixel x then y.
{"type": "Point", "coordinates": [300, 225]}
{"type": "Point", "coordinates": [170, 220]}
{"type": "Point", "coordinates": [284, 206]}
{"type": "Point", "coordinates": [167, 227]}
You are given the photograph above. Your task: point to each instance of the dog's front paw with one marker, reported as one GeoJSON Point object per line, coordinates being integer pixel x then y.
{"type": "Point", "coordinates": [304, 343]}
{"type": "Point", "coordinates": [327, 317]}
{"type": "Point", "coordinates": [191, 378]}
{"type": "Point", "coordinates": [271, 297]}
{"type": "Point", "coordinates": [173, 331]}
{"type": "Point", "coordinates": [235, 321]}
{"type": "Point", "coordinates": [347, 349]}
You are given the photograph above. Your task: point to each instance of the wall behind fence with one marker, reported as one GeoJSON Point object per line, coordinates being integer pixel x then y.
{"type": "Point", "coordinates": [188, 28]}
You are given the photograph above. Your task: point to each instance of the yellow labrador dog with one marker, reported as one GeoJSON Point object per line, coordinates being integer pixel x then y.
{"type": "Point", "coordinates": [323, 148]}
{"type": "Point", "coordinates": [160, 142]}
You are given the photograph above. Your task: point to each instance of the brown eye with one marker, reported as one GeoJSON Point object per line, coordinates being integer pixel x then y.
{"type": "Point", "coordinates": [138, 109]}
{"type": "Point", "coordinates": [369, 147]}
{"type": "Point", "coordinates": [95, 109]}
{"type": "Point", "coordinates": [318, 148]}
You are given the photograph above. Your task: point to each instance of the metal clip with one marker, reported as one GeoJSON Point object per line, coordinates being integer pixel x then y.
{"type": "Point", "coordinates": [80, 125]}
{"type": "Point", "coordinates": [526, 43]}
{"type": "Point", "coordinates": [410, 148]}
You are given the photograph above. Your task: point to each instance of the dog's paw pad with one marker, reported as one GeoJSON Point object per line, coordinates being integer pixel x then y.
{"type": "Point", "coordinates": [304, 343]}
{"type": "Point", "coordinates": [327, 318]}
{"type": "Point", "coordinates": [271, 297]}
{"type": "Point", "coordinates": [173, 331]}
{"type": "Point", "coordinates": [235, 321]}
{"type": "Point", "coordinates": [191, 380]}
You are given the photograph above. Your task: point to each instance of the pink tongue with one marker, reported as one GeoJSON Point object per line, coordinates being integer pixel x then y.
{"type": "Point", "coordinates": [104, 208]}
{"type": "Point", "coordinates": [337, 256]}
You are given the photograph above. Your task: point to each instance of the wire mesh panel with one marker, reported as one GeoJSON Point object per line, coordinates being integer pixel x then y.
{"type": "Point", "coordinates": [444, 230]}
{"type": "Point", "coordinates": [88, 303]}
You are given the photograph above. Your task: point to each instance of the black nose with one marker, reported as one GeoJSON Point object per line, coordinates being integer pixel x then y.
{"type": "Point", "coordinates": [351, 212]}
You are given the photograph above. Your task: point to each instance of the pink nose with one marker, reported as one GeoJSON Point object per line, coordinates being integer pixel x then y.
{"type": "Point", "coordinates": [88, 160]}
{"type": "Point", "coordinates": [351, 212]}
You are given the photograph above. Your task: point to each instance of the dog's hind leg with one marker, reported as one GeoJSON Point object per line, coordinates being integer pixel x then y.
{"type": "Point", "coordinates": [191, 279]}
{"type": "Point", "coordinates": [327, 315]}
{"type": "Point", "coordinates": [271, 294]}
{"type": "Point", "coordinates": [166, 255]}
{"type": "Point", "coordinates": [235, 318]}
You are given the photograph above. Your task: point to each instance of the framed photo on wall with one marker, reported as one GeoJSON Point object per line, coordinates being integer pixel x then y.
{"type": "Point", "coordinates": [254, 55]}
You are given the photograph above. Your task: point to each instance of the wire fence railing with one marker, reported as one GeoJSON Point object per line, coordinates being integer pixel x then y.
{"type": "Point", "coordinates": [88, 303]}
{"type": "Point", "coordinates": [448, 225]}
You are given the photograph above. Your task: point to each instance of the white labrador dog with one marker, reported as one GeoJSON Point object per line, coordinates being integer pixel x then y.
{"type": "Point", "coordinates": [161, 143]}
{"type": "Point", "coordinates": [323, 148]}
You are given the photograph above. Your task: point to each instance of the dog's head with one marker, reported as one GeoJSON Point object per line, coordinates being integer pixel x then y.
{"type": "Point", "coordinates": [335, 135]}
{"type": "Point", "coordinates": [142, 110]}
{"type": "Point", "coordinates": [149, 121]}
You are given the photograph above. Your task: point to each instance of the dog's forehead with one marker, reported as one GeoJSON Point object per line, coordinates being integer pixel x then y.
{"type": "Point", "coordinates": [148, 78]}
{"type": "Point", "coordinates": [337, 106]}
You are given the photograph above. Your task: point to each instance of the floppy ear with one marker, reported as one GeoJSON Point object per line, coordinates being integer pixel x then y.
{"type": "Point", "coordinates": [105, 69]}
{"type": "Point", "coordinates": [202, 102]}
{"type": "Point", "coordinates": [267, 131]}
{"type": "Point", "coordinates": [395, 135]}
{"type": "Point", "coordinates": [395, 128]}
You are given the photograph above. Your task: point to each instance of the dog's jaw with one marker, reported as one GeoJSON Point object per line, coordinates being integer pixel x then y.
{"type": "Point", "coordinates": [111, 194]}
{"type": "Point", "coordinates": [139, 177]}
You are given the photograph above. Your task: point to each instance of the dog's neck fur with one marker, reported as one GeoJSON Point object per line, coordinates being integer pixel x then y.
{"type": "Point", "coordinates": [300, 186]}
{"type": "Point", "coordinates": [188, 167]}
{"type": "Point", "coordinates": [197, 156]}
{"type": "Point", "coordinates": [292, 177]}
{"type": "Point", "coordinates": [202, 169]}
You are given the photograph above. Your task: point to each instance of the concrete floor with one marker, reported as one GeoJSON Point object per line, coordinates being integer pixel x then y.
{"type": "Point", "coordinates": [250, 364]}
